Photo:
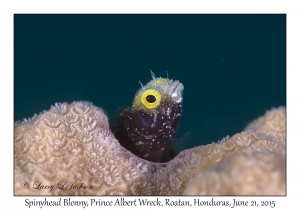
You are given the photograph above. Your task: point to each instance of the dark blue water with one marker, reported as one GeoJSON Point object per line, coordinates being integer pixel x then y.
{"type": "Point", "coordinates": [233, 67]}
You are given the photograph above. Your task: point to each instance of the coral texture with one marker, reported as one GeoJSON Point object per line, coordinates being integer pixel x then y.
{"type": "Point", "coordinates": [72, 143]}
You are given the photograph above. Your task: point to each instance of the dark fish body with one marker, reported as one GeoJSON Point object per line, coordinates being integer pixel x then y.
{"type": "Point", "coordinates": [148, 128]}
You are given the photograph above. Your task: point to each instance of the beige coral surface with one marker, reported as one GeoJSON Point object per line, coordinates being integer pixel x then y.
{"type": "Point", "coordinates": [70, 150]}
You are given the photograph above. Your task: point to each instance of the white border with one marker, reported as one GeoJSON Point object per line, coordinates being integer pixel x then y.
{"type": "Point", "coordinates": [8, 8]}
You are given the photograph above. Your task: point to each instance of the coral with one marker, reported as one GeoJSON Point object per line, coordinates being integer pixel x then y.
{"type": "Point", "coordinates": [71, 148]}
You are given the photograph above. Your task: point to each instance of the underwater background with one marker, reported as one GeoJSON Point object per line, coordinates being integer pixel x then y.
{"type": "Point", "coordinates": [233, 67]}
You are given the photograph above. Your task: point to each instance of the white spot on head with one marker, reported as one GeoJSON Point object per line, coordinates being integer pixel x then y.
{"type": "Point", "coordinates": [168, 111]}
{"type": "Point", "coordinates": [179, 100]}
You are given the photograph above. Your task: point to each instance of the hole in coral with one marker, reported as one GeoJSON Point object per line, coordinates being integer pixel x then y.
{"type": "Point", "coordinates": [163, 165]}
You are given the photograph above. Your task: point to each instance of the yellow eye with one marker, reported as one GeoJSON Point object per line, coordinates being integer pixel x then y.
{"type": "Point", "coordinates": [151, 98]}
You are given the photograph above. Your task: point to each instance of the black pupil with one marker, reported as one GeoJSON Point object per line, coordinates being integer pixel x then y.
{"type": "Point", "coordinates": [151, 98]}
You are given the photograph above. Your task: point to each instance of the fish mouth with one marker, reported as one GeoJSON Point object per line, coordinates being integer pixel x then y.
{"type": "Point", "coordinates": [148, 137]}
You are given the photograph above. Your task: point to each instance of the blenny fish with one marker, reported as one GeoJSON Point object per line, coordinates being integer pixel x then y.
{"type": "Point", "coordinates": [148, 128]}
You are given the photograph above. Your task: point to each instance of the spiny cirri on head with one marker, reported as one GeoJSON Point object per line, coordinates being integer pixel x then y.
{"type": "Point", "coordinates": [148, 128]}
